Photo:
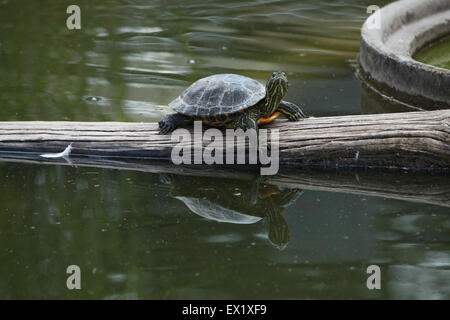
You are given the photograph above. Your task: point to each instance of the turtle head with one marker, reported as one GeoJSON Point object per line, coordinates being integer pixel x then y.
{"type": "Point", "coordinates": [276, 89]}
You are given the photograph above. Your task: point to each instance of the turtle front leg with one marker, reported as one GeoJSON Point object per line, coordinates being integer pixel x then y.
{"type": "Point", "coordinates": [248, 120]}
{"type": "Point", "coordinates": [245, 121]}
{"type": "Point", "coordinates": [172, 121]}
{"type": "Point", "coordinates": [291, 111]}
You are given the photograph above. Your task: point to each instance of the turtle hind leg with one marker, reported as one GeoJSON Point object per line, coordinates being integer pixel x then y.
{"type": "Point", "coordinates": [172, 121]}
{"type": "Point", "coordinates": [291, 111]}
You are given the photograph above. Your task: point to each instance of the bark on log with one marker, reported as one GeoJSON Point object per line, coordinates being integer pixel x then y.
{"type": "Point", "coordinates": [416, 140]}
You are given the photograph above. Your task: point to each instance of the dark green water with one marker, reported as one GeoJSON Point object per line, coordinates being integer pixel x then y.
{"type": "Point", "coordinates": [143, 235]}
{"type": "Point", "coordinates": [437, 54]}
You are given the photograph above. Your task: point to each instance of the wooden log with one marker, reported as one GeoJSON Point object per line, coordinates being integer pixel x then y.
{"type": "Point", "coordinates": [415, 140]}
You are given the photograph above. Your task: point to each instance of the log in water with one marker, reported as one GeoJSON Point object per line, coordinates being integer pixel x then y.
{"type": "Point", "coordinates": [415, 140]}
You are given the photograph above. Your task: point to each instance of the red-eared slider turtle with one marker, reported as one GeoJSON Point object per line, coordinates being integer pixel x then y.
{"type": "Point", "coordinates": [231, 101]}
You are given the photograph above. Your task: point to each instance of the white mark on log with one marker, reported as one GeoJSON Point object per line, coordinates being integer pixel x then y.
{"type": "Point", "coordinates": [357, 155]}
{"type": "Point", "coordinates": [64, 154]}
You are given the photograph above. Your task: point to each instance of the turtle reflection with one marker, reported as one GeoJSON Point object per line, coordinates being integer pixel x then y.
{"type": "Point", "coordinates": [236, 201]}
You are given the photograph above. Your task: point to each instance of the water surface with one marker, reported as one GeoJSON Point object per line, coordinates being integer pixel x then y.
{"type": "Point", "coordinates": [436, 54]}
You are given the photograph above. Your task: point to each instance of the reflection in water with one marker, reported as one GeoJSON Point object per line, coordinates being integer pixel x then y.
{"type": "Point", "coordinates": [236, 201]}
{"type": "Point", "coordinates": [133, 240]}
{"type": "Point", "coordinates": [373, 101]}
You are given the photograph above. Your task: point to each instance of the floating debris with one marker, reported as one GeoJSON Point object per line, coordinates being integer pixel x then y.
{"type": "Point", "coordinates": [64, 154]}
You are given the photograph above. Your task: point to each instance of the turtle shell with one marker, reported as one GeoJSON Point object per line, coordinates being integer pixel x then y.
{"type": "Point", "coordinates": [219, 94]}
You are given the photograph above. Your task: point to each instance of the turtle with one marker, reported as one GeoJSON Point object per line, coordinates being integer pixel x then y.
{"type": "Point", "coordinates": [231, 101]}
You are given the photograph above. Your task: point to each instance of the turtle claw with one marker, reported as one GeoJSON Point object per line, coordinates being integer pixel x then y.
{"type": "Point", "coordinates": [296, 116]}
{"type": "Point", "coordinates": [164, 131]}
{"type": "Point", "coordinates": [165, 127]}
{"type": "Point", "coordinates": [291, 111]}
{"type": "Point", "coordinates": [172, 121]}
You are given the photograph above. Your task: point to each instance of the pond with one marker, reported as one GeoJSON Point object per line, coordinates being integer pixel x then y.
{"type": "Point", "coordinates": [148, 235]}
